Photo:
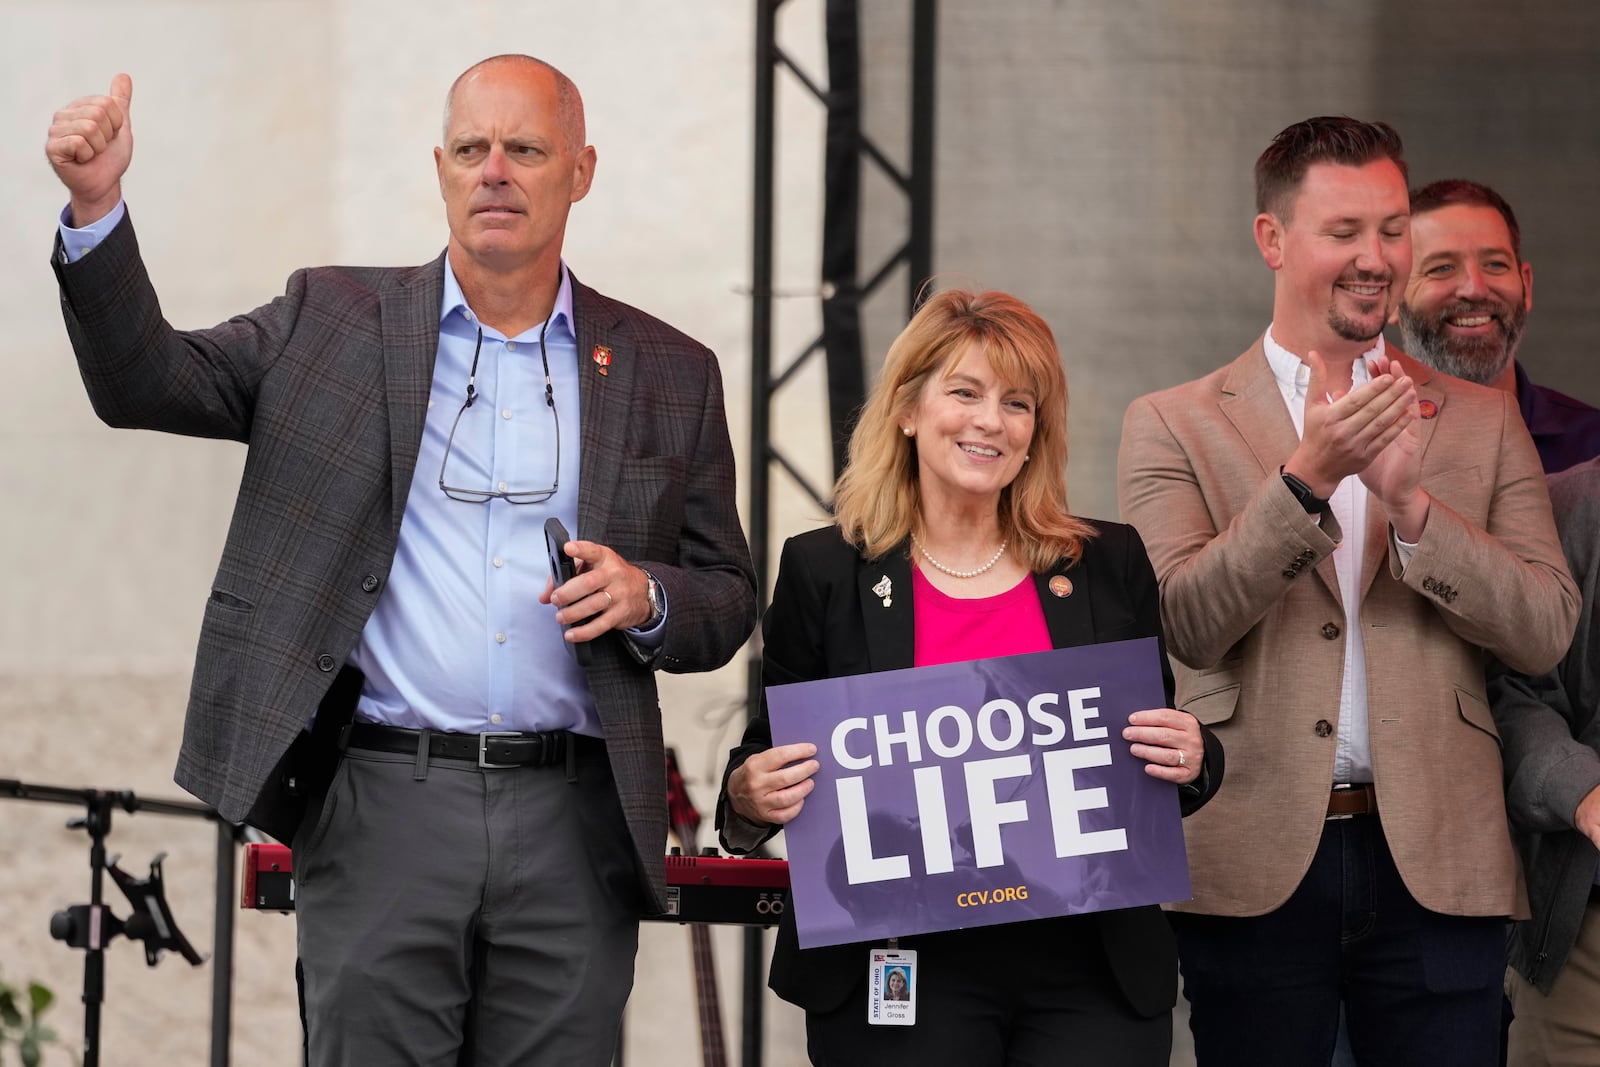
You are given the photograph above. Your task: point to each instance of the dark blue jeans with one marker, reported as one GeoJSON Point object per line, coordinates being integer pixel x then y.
{"type": "Point", "coordinates": [1418, 987]}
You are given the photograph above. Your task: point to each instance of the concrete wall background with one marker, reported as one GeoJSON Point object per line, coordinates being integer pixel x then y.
{"type": "Point", "coordinates": [1095, 159]}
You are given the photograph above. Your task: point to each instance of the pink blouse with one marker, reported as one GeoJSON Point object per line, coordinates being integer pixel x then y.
{"type": "Point", "coordinates": [949, 630]}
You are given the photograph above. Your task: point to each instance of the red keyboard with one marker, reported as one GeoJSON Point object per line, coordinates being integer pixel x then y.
{"type": "Point", "coordinates": [700, 889]}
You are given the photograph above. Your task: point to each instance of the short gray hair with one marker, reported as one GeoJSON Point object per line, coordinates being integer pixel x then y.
{"type": "Point", "coordinates": [569, 103]}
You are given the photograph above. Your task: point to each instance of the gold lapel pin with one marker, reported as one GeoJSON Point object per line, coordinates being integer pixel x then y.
{"type": "Point", "coordinates": [1061, 585]}
{"type": "Point", "coordinates": [602, 359]}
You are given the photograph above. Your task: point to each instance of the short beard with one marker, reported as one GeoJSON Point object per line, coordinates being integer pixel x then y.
{"type": "Point", "coordinates": [1475, 359]}
{"type": "Point", "coordinates": [1350, 329]}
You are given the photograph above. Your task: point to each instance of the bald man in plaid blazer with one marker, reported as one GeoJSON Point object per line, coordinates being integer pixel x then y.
{"type": "Point", "coordinates": [467, 878]}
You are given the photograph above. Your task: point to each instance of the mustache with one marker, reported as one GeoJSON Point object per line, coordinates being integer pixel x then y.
{"type": "Point", "coordinates": [1462, 308]}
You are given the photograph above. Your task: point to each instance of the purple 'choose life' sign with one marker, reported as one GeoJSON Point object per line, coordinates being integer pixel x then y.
{"type": "Point", "coordinates": [970, 794]}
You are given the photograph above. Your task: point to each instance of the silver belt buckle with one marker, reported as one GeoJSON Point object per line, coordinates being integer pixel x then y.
{"type": "Point", "coordinates": [483, 750]}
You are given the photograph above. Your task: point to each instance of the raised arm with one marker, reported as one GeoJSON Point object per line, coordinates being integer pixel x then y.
{"type": "Point", "coordinates": [90, 147]}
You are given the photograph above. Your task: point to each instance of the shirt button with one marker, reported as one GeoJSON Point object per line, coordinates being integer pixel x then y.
{"type": "Point", "coordinates": [325, 663]}
{"type": "Point", "coordinates": [1330, 631]}
{"type": "Point", "coordinates": [501, 486]}
{"type": "Point", "coordinates": [500, 638]}
{"type": "Point", "coordinates": [1323, 728]}
{"type": "Point", "coordinates": [506, 414]}
{"type": "Point", "coordinates": [370, 583]}
{"type": "Point", "coordinates": [511, 346]}
{"type": "Point", "coordinates": [498, 562]}
{"type": "Point", "coordinates": [495, 719]}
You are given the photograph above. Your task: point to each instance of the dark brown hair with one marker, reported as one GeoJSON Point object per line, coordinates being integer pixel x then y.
{"type": "Point", "coordinates": [1325, 139]}
{"type": "Point", "coordinates": [1440, 194]}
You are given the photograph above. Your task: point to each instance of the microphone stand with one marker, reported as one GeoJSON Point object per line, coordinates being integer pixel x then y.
{"type": "Point", "coordinates": [92, 926]}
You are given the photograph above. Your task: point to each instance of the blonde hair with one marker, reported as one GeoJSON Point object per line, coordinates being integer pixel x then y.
{"type": "Point", "coordinates": [877, 498]}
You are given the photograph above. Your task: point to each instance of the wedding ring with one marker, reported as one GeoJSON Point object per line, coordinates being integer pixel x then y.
{"type": "Point", "coordinates": [1183, 761]}
{"type": "Point", "coordinates": [610, 601]}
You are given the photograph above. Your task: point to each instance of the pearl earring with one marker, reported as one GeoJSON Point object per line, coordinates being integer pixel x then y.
{"type": "Point", "coordinates": [906, 430]}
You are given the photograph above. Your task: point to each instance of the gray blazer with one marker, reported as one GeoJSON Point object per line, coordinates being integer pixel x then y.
{"type": "Point", "coordinates": [1550, 726]}
{"type": "Point", "coordinates": [328, 386]}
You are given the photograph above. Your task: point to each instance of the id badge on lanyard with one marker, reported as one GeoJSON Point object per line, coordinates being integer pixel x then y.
{"type": "Point", "coordinates": [892, 982]}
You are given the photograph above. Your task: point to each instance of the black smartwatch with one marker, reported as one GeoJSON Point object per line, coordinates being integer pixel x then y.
{"type": "Point", "coordinates": [1313, 503]}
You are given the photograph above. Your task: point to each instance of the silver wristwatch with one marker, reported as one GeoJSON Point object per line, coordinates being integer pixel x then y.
{"type": "Point", "coordinates": [656, 609]}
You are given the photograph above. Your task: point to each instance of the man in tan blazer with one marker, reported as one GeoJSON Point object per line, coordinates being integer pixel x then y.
{"type": "Point", "coordinates": [1340, 533]}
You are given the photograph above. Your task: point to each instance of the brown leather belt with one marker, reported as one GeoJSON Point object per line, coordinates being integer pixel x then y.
{"type": "Point", "coordinates": [1348, 801]}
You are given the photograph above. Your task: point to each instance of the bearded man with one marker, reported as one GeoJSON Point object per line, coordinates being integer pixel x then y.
{"type": "Point", "coordinates": [1466, 307]}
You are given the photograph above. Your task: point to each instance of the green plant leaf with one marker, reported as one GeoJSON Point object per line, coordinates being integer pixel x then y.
{"type": "Point", "coordinates": [40, 998]}
{"type": "Point", "coordinates": [30, 1051]}
{"type": "Point", "coordinates": [10, 1017]}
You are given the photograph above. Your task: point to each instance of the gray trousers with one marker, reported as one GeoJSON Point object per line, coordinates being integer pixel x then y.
{"type": "Point", "coordinates": [492, 909]}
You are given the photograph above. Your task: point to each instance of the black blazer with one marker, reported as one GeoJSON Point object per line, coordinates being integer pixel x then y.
{"type": "Point", "coordinates": [826, 622]}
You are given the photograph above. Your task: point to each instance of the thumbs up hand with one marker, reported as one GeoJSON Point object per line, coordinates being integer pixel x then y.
{"type": "Point", "coordinates": [90, 146]}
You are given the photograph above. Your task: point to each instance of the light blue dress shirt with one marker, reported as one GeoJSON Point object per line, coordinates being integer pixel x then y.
{"type": "Point", "coordinates": [458, 640]}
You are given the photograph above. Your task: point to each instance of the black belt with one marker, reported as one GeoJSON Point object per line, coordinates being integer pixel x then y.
{"type": "Point", "coordinates": [496, 749]}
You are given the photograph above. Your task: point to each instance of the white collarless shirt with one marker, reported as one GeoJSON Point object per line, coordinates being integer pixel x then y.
{"type": "Point", "coordinates": [1352, 761]}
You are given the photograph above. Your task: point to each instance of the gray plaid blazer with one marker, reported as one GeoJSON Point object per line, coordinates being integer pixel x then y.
{"type": "Point", "coordinates": [328, 386]}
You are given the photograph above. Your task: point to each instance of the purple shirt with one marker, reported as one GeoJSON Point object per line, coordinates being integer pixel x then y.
{"type": "Point", "coordinates": [1566, 431]}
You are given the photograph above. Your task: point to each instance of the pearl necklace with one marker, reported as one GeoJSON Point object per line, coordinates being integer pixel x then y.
{"type": "Point", "coordinates": [951, 571]}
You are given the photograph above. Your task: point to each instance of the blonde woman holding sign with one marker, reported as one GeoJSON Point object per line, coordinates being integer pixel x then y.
{"type": "Point", "coordinates": [952, 542]}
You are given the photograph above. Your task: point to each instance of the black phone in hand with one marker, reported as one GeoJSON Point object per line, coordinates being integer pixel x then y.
{"type": "Point", "coordinates": [563, 569]}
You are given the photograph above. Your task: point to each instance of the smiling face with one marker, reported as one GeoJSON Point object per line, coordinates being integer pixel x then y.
{"type": "Point", "coordinates": [897, 985]}
{"type": "Point", "coordinates": [971, 432]}
{"type": "Point", "coordinates": [1469, 297]}
{"type": "Point", "coordinates": [508, 171]}
{"type": "Point", "coordinates": [1341, 257]}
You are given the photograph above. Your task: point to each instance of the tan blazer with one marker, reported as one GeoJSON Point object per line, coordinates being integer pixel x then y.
{"type": "Point", "coordinates": [1250, 603]}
